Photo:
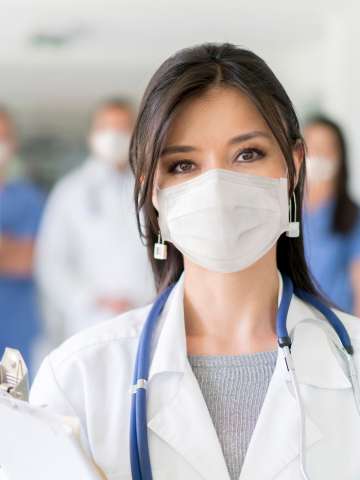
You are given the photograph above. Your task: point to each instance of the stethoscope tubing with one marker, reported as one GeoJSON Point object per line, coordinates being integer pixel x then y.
{"type": "Point", "coordinates": [139, 448]}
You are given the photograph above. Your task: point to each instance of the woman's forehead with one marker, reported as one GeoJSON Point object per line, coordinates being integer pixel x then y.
{"type": "Point", "coordinates": [219, 112]}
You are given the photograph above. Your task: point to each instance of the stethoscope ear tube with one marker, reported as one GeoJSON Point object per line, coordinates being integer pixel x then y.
{"type": "Point", "coordinates": [134, 452]}
{"type": "Point", "coordinates": [330, 316]}
{"type": "Point", "coordinates": [281, 329]}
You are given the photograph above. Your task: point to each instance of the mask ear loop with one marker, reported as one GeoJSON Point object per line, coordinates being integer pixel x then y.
{"type": "Point", "coordinates": [294, 225]}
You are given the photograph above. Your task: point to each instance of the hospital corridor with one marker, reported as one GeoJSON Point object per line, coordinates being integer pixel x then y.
{"type": "Point", "coordinates": [179, 240]}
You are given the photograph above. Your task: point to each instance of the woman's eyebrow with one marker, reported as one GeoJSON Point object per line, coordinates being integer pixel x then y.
{"type": "Point", "coordinates": [177, 149]}
{"type": "Point", "coordinates": [248, 136]}
{"type": "Point", "coordinates": [171, 149]}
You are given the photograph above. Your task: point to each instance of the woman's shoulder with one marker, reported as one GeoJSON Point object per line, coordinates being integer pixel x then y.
{"type": "Point", "coordinates": [89, 357]}
{"type": "Point", "coordinates": [351, 323]}
{"type": "Point", "coordinates": [121, 330]}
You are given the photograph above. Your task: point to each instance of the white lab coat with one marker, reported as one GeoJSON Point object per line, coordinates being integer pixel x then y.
{"type": "Point", "coordinates": [89, 247]}
{"type": "Point", "coordinates": [91, 374]}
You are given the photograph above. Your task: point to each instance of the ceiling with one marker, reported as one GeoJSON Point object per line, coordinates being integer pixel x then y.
{"type": "Point", "coordinates": [57, 57]}
{"type": "Point", "coordinates": [143, 32]}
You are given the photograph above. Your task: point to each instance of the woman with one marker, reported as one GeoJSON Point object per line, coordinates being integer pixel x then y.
{"type": "Point", "coordinates": [332, 220]}
{"type": "Point", "coordinates": [215, 137]}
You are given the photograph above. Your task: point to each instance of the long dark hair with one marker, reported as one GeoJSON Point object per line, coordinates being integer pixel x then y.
{"type": "Point", "coordinates": [190, 73]}
{"type": "Point", "coordinates": [346, 212]}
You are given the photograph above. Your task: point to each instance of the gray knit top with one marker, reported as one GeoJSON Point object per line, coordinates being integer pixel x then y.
{"type": "Point", "coordinates": [234, 388]}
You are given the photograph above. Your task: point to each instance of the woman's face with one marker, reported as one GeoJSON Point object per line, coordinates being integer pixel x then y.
{"type": "Point", "coordinates": [323, 159]}
{"type": "Point", "coordinates": [220, 129]}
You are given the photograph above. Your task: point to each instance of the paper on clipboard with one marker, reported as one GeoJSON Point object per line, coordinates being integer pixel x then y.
{"type": "Point", "coordinates": [36, 445]}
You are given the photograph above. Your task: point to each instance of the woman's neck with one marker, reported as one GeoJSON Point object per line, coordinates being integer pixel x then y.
{"type": "Point", "coordinates": [231, 313]}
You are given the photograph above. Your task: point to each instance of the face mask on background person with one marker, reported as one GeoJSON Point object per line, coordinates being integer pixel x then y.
{"type": "Point", "coordinates": [111, 146]}
{"type": "Point", "coordinates": [4, 152]}
{"type": "Point", "coordinates": [320, 169]}
{"type": "Point", "coordinates": [224, 221]}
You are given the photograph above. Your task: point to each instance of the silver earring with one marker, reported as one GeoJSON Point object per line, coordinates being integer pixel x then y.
{"type": "Point", "coordinates": [294, 225]}
{"type": "Point", "coordinates": [160, 249]}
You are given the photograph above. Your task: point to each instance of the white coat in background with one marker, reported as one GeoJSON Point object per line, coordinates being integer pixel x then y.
{"type": "Point", "coordinates": [91, 374]}
{"type": "Point", "coordinates": [89, 247]}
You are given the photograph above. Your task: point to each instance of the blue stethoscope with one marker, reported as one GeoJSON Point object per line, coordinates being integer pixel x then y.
{"type": "Point", "coordinates": [139, 448]}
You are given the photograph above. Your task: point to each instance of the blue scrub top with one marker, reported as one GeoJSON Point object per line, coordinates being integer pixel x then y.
{"type": "Point", "coordinates": [21, 206]}
{"type": "Point", "coordinates": [330, 255]}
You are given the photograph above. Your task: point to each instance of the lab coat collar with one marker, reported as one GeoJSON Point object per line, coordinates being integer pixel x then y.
{"type": "Point", "coordinates": [169, 351]}
{"type": "Point", "coordinates": [182, 419]}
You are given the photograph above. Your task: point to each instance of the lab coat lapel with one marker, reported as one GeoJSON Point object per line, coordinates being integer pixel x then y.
{"type": "Point", "coordinates": [185, 424]}
{"type": "Point", "coordinates": [177, 411]}
{"type": "Point", "coordinates": [275, 440]}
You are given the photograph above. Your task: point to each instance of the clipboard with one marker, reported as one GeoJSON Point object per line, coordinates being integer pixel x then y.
{"type": "Point", "coordinates": [36, 444]}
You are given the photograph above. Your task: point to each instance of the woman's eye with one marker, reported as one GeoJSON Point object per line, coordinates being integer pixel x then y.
{"type": "Point", "coordinates": [249, 155]}
{"type": "Point", "coordinates": [182, 166]}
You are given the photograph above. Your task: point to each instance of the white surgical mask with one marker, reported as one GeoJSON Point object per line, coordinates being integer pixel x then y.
{"type": "Point", "coordinates": [320, 169]}
{"type": "Point", "coordinates": [111, 146]}
{"type": "Point", "coordinates": [224, 221]}
{"type": "Point", "coordinates": [4, 153]}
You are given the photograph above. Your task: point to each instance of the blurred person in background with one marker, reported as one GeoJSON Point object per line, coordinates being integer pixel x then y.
{"type": "Point", "coordinates": [21, 205]}
{"type": "Point", "coordinates": [331, 218]}
{"type": "Point", "coordinates": [91, 264]}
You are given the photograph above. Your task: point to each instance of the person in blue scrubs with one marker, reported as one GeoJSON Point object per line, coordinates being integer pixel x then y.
{"type": "Point", "coordinates": [331, 219]}
{"type": "Point", "coordinates": [21, 205]}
